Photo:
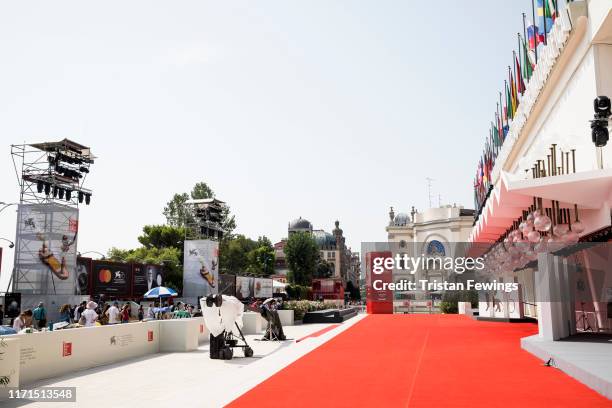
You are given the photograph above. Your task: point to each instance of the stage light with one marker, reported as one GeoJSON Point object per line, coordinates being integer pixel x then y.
{"type": "Point", "coordinates": [87, 198]}
{"type": "Point", "coordinates": [40, 186]}
{"type": "Point", "coordinates": [61, 193]}
{"type": "Point", "coordinates": [80, 197]}
{"type": "Point", "coordinates": [68, 195]}
{"type": "Point", "coordinates": [599, 133]}
{"type": "Point", "coordinates": [47, 188]}
{"type": "Point", "coordinates": [601, 105]}
{"type": "Point", "coordinates": [83, 169]}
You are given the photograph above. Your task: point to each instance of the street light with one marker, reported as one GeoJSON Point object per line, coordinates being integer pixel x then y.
{"type": "Point", "coordinates": [92, 252]}
{"type": "Point", "coordinates": [6, 205]}
{"type": "Point", "coordinates": [11, 243]}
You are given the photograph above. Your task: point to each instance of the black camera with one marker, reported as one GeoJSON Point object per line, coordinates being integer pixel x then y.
{"type": "Point", "coordinates": [599, 124]}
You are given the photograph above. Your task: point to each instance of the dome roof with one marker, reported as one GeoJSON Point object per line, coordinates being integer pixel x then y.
{"type": "Point", "coordinates": [300, 223]}
{"type": "Point", "coordinates": [323, 239]}
{"type": "Point", "coordinates": [401, 219]}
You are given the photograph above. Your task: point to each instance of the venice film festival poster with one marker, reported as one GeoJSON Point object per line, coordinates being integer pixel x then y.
{"type": "Point", "coordinates": [45, 256]}
{"type": "Point", "coordinates": [201, 268]}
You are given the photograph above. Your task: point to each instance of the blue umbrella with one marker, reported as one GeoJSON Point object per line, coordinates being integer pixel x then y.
{"type": "Point", "coordinates": [160, 292]}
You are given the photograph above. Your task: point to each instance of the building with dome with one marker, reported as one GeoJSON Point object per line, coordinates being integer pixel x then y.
{"type": "Point", "coordinates": [332, 247]}
{"type": "Point", "coordinates": [434, 232]}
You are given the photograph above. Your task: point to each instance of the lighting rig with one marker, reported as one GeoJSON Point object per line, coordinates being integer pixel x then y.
{"type": "Point", "coordinates": [599, 126]}
{"type": "Point", "coordinates": [53, 172]}
{"type": "Point", "coordinates": [203, 219]}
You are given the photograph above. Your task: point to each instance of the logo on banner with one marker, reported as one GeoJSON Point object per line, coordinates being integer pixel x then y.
{"type": "Point", "coordinates": [66, 349]}
{"type": "Point", "coordinates": [150, 335]}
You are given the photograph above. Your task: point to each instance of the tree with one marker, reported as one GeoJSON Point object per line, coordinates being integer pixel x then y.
{"type": "Point", "coordinates": [324, 269]}
{"type": "Point", "coordinates": [175, 212]}
{"type": "Point", "coordinates": [233, 254]}
{"type": "Point", "coordinates": [353, 292]}
{"type": "Point", "coordinates": [162, 236]}
{"type": "Point", "coordinates": [302, 254]}
{"type": "Point", "coordinates": [201, 191]}
{"type": "Point", "coordinates": [261, 261]}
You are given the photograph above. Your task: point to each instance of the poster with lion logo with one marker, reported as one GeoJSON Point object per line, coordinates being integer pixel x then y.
{"type": "Point", "coordinates": [201, 268]}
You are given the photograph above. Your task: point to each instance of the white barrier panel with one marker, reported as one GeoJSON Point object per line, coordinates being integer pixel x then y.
{"type": "Point", "coordinates": [286, 317]}
{"type": "Point", "coordinates": [50, 354]}
{"type": "Point", "coordinates": [178, 335]}
{"type": "Point", "coordinates": [252, 323]}
{"type": "Point", "coordinates": [9, 365]}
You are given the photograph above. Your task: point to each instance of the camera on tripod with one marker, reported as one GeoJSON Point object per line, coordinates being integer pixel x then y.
{"type": "Point", "coordinates": [599, 124]}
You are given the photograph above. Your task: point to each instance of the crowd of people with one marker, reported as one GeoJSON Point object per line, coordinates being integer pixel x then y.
{"type": "Point", "coordinates": [90, 314]}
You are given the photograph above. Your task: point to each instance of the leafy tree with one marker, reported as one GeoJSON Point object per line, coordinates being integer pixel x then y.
{"type": "Point", "coordinates": [233, 254]}
{"type": "Point", "coordinates": [354, 293]}
{"type": "Point", "coordinates": [302, 254]}
{"type": "Point", "coordinates": [162, 236]}
{"type": "Point", "coordinates": [324, 269]}
{"type": "Point", "coordinates": [175, 212]}
{"type": "Point", "coordinates": [261, 261]}
{"type": "Point", "coordinates": [201, 191]}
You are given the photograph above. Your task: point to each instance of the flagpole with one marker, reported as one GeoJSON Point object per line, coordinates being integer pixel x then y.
{"type": "Point", "coordinates": [518, 39]}
{"type": "Point", "coordinates": [544, 4]}
{"type": "Point", "coordinates": [535, 34]}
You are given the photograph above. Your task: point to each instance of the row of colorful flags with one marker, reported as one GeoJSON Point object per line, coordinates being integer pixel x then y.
{"type": "Point", "coordinates": [519, 74]}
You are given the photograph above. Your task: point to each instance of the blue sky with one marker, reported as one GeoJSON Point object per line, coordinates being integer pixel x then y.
{"type": "Point", "coordinates": [321, 109]}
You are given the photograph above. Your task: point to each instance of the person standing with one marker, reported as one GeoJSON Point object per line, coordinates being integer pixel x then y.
{"type": "Point", "coordinates": [113, 313]}
{"type": "Point", "coordinates": [125, 313]}
{"type": "Point", "coordinates": [89, 315]}
{"type": "Point", "coordinates": [40, 315]}
{"type": "Point", "coordinates": [140, 313]}
{"type": "Point", "coordinates": [78, 311]}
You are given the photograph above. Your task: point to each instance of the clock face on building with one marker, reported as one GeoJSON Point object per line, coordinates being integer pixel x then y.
{"type": "Point", "coordinates": [435, 248]}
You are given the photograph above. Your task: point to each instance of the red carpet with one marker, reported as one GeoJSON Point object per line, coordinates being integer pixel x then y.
{"type": "Point", "coordinates": [423, 361]}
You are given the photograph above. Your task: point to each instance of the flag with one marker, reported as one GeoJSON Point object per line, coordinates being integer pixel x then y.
{"type": "Point", "coordinates": [544, 12]}
{"type": "Point", "coordinates": [513, 94]}
{"type": "Point", "coordinates": [508, 107]}
{"type": "Point", "coordinates": [495, 133]}
{"type": "Point", "coordinates": [519, 76]}
{"type": "Point", "coordinates": [528, 64]}
{"type": "Point", "coordinates": [533, 36]}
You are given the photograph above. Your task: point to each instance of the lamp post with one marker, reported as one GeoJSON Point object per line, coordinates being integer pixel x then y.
{"type": "Point", "coordinates": [6, 205]}
{"type": "Point", "coordinates": [11, 243]}
{"type": "Point", "coordinates": [92, 252]}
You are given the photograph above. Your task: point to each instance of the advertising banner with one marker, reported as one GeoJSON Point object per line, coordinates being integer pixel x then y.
{"type": "Point", "coordinates": [111, 278]}
{"type": "Point", "coordinates": [12, 305]}
{"type": "Point", "coordinates": [45, 249]}
{"type": "Point", "coordinates": [200, 268]}
{"type": "Point", "coordinates": [83, 277]}
{"type": "Point", "coordinates": [263, 288]}
{"type": "Point", "coordinates": [245, 287]}
{"type": "Point", "coordinates": [227, 284]}
{"type": "Point", "coordinates": [146, 277]}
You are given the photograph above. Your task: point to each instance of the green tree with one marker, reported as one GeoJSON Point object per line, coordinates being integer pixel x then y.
{"type": "Point", "coordinates": [324, 269]}
{"type": "Point", "coordinates": [233, 254]}
{"type": "Point", "coordinates": [302, 254]}
{"type": "Point", "coordinates": [261, 261]}
{"type": "Point", "coordinates": [175, 212]}
{"type": "Point", "coordinates": [201, 191]}
{"type": "Point", "coordinates": [162, 236]}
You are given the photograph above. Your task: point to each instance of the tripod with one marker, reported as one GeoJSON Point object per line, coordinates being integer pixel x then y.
{"type": "Point", "coordinates": [584, 320]}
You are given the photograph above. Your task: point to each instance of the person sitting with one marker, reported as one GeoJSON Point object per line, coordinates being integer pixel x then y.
{"type": "Point", "coordinates": [23, 321]}
{"type": "Point", "coordinates": [65, 315]}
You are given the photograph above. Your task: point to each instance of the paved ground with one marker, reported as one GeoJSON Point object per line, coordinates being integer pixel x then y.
{"type": "Point", "coordinates": [186, 379]}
